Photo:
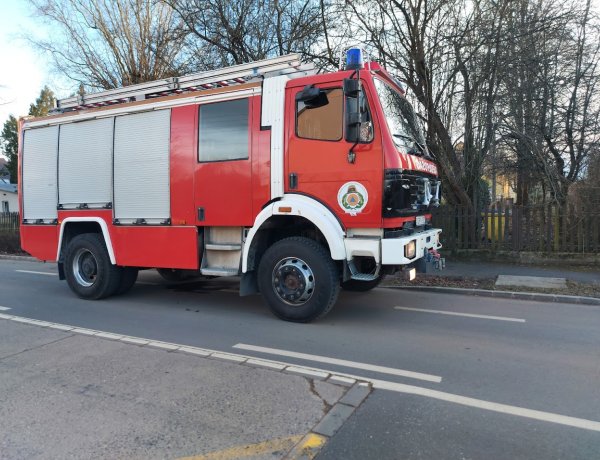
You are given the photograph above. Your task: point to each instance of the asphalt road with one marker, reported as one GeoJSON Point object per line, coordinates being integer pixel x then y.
{"type": "Point", "coordinates": [495, 378]}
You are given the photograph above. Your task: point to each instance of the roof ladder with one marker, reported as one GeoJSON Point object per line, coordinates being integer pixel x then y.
{"type": "Point", "coordinates": [228, 76]}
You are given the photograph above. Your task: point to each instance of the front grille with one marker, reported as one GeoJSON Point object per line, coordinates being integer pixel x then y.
{"type": "Point", "coordinates": [406, 194]}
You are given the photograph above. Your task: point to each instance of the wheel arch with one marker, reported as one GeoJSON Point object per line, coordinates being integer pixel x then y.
{"type": "Point", "coordinates": [293, 209]}
{"type": "Point", "coordinates": [73, 226]}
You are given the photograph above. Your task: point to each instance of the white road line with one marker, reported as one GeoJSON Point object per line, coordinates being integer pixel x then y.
{"type": "Point", "coordinates": [488, 405]}
{"type": "Point", "coordinates": [383, 385]}
{"type": "Point", "coordinates": [4, 308]}
{"type": "Point", "coordinates": [37, 273]}
{"type": "Point", "coordinates": [341, 362]}
{"type": "Point", "coordinates": [468, 315]}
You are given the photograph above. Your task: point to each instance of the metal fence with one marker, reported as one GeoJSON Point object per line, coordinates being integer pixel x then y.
{"type": "Point", "coordinates": [546, 228]}
{"type": "Point", "coordinates": [9, 222]}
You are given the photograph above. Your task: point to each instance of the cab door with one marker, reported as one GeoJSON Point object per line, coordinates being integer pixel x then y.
{"type": "Point", "coordinates": [319, 163]}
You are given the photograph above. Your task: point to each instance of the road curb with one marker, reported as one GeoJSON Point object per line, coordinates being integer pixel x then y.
{"type": "Point", "coordinates": [505, 294]}
{"type": "Point", "coordinates": [20, 258]}
{"type": "Point", "coordinates": [357, 389]}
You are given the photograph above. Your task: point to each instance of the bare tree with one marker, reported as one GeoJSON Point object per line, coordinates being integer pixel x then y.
{"type": "Point", "coordinates": [552, 116]}
{"type": "Point", "coordinates": [447, 52]}
{"type": "Point", "coordinates": [227, 32]}
{"type": "Point", "coordinates": [112, 43]}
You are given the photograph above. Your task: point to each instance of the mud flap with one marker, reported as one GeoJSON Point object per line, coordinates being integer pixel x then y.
{"type": "Point", "coordinates": [249, 284]}
{"type": "Point", "coordinates": [61, 271]}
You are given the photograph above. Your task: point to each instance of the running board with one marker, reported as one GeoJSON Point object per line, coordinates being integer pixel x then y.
{"type": "Point", "coordinates": [220, 272]}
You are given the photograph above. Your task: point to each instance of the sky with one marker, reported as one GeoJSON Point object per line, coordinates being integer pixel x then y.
{"type": "Point", "coordinates": [23, 72]}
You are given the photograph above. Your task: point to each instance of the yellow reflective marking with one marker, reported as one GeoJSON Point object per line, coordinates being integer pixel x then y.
{"type": "Point", "coordinates": [249, 450]}
{"type": "Point", "coordinates": [308, 448]}
{"type": "Point", "coordinates": [313, 440]}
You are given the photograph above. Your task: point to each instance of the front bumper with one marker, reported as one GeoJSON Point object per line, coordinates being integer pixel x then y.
{"type": "Point", "coordinates": [391, 251]}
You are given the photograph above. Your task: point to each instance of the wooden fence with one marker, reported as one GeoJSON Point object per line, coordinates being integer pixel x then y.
{"type": "Point", "coordinates": [546, 228]}
{"type": "Point", "coordinates": [9, 222]}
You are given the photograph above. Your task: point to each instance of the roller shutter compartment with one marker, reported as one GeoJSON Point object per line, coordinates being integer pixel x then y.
{"type": "Point", "coordinates": [85, 163]}
{"type": "Point", "coordinates": [141, 167]}
{"type": "Point", "coordinates": [39, 157]}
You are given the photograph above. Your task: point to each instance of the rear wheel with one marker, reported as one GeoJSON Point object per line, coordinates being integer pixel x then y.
{"type": "Point", "coordinates": [128, 278]}
{"type": "Point", "coordinates": [298, 279]}
{"type": "Point", "coordinates": [88, 269]}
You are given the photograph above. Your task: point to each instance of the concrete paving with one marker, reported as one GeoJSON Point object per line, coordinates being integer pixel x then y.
{"type": "Point", "coordinates": [478, 269]}
{"type": "Point", "coordinates": [64, 396]}
{"type": "Point", "coordinates": [537, 282]}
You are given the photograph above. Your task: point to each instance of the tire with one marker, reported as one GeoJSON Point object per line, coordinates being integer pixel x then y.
{"type": "Point", "coordinates": [88, 270]}
{"type": "Point", "coordinates": [128, 278]}
{"type": "Point", "coordinates": [174, 274]}
{"type": "Point", "coordinates": [361, 286]}
{"type": "Point", "coordinates": [298, 280]}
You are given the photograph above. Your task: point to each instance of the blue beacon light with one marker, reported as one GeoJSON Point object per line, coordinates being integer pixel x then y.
{"type": "Point", "coordinates": [354, 59]}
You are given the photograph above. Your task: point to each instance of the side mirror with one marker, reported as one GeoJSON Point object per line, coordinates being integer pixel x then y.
{"type": "Point", "coordinates": [312, 97]}
{"type": "Point", "coordinates": [351, 87]}
{"type": "Point", "coordinates": [353, 118]}
{"type": "Point", "coordinates": [353, 124]}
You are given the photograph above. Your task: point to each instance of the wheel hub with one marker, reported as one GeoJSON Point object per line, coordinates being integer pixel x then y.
{"type": "Point", "coordinates": [85, 267]}
{"type": "Point", "coordinates": [293, 281]}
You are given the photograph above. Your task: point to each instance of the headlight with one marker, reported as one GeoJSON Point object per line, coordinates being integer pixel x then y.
{"type": "Point", "coordinates": [410, 249]}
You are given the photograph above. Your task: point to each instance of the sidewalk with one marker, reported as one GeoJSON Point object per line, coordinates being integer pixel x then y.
{"type": "Point", "coordinates": [64, 394]}
{"type": "Point", "coordinates": [477, 269]}
{"type": "Point", "coordinates": [526, 282]}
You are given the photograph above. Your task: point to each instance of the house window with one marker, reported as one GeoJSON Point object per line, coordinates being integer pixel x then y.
{"type": "Point", "coordinates": [5, 207]}
{"type": "Point", "coordinates": [223, 131]}
{"type": "Point", "coordinates": [323, 123]}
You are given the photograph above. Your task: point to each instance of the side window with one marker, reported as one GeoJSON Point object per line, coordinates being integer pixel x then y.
{"type": "Point", "coordinates": [322, 123]}
{"type": "Point", "coordinates": [223, 131]}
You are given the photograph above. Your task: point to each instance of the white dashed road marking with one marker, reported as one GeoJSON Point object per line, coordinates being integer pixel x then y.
{"type": "Point", "coordinates": [468, 315]}
{"type": "Point", "coordinates": [341, 362]}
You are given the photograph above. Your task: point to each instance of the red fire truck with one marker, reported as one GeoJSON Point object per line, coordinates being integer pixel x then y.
{"type": "Point", "coordinates": [299, 182]}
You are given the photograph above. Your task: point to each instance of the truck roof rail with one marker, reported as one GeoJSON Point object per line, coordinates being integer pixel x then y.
{"type": "Point", "coordinates": [228, 76]}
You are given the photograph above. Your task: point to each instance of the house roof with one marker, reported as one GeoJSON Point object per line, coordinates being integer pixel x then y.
{"type": "Point", "coordinates": [4, 187]}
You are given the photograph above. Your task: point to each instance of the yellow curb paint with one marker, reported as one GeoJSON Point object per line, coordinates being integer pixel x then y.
{"type": "Point", "coordinates": [249, 450]}
{"type": "Point", "coordinates": [308, 448]}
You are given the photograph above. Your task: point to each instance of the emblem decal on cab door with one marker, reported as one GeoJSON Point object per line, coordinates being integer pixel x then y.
{"type": "Point", "coordinates": [352, 198]}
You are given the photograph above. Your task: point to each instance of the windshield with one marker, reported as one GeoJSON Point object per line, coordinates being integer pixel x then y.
{"type": "Point", "coordinates": [401, 119]}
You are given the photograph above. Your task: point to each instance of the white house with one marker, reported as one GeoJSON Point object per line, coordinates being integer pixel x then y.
{"type": "Point", "coordinates": [9, 201]}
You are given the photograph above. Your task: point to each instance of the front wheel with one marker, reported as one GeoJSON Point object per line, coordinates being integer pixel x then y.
{"type": "Point", "coordinates": [298, 279]}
